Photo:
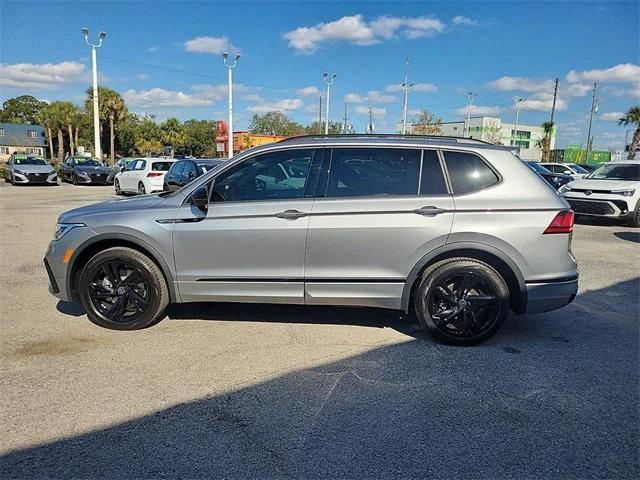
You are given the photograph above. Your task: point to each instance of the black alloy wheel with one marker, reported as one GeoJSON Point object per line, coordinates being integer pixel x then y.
{"type": "Point", "coordinates": [462, 301]}
{"type": "Point", "coordinates": [122, 289]}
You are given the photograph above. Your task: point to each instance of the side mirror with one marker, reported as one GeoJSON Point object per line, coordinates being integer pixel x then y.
{"type": "Point", "coordinates": [121, 168]}
{"type": "Point", "coordinates": [568, 172]}
{"type": "Point", "coordinates": [200, 198]}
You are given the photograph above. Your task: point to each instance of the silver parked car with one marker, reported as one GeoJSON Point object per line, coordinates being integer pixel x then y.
{"type": "Point", "coordinates": [29, 169]}
{"type": "Point", "coordinates": [458, 230]}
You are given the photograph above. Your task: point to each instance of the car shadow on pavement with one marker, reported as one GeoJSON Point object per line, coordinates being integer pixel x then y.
{"type": "Point", "coordinates": [629, 236]}
{"type": "Point", "coordinates": [302, 314]}
{"type": "Point", "coordinates": [70, 308]}
{"type": "Point", "coordinates": [555, 395]}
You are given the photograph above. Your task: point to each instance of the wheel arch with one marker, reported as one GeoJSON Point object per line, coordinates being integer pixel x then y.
{"type": "Point", "coordinates": [88, 249]}
{"type": "Point", "coordinates": [496, 258]}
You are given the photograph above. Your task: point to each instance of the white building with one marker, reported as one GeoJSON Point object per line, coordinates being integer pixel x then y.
{"type": "Point", "coordinates": [494, 130]}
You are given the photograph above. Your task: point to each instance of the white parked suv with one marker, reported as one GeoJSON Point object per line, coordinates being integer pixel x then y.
{"type": "Point", "coordinates": [573, 169]}
{"type": "Point", "coordinates": [611, 191]}
{"type": "Point", "coordinates": [142, 175]}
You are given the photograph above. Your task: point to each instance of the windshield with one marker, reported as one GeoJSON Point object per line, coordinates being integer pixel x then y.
{"type": "Point", "coordinates": [93, 162]}
{"type": "Point", "coordinates": [536, 167]}
{"type": "Point", "coordinates": [577, 168]}
{"type": "Point", "coordinates": [206, 166]}
{"type": "Point", "coordinates": [28, 161]}
{"type": "Point", "coordinates": [617, 171]}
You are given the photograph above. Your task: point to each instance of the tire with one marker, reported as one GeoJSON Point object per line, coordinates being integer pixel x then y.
{"type": "Point", "coordinates": [116, 186]}
{"type": "Point", "coordinates": [141, 189]}
{"type": "Point", "coordinates": [634, 221]}
{"type": "Point", "coordinates": [461, 301]}
{"type": "Point", "coordinates": [12, 181]}
{"type": "Point", "coordinates": [74, 179]}
{"type": "Point", "coordinates": [123, 289]}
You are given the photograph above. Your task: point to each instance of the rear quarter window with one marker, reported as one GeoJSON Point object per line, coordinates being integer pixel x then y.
{"type": "Point", "coordinates": [468, 172]}
{"type": "Point", "coordinates": [161, 166]}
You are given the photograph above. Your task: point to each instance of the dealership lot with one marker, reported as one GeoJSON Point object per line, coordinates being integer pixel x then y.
{"type": "Point", "coordinates": [270, 391]}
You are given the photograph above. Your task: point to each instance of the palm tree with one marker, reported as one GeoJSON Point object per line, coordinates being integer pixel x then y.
{"type": "Point", "coordinates": [45, 117]}
{"type": "Point", "coordinates": [547, 131]}
{"type": "Point", "coordinates": [632, 117]}
{"type": "Point", "coordinates": [116, 111]}
{"type": "Point", "coordinates": [71, 117]}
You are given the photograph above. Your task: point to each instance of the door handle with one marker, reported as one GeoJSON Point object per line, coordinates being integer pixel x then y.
{"type": "Point", "coordinates": [430, 211]}
{"type": "Point", "coordinates": [291, 214]}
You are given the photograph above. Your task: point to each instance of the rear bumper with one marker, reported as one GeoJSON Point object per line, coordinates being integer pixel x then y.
{"type": "Point", "coordinates": [544, 296]}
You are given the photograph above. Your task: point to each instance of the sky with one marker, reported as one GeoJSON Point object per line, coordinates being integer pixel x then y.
{"type": "Point", "coordinates": [165, 58]}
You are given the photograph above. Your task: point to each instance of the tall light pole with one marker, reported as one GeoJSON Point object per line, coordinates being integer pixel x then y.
{"type": "Point", "coordinates": [517, 101]}
{"type": "Point", "coordinates": [594, 108]}
{"type": "Point", "coordinates": [230, 66]}
{"type": "Point", "coordinates": [406, 88]}
{"type": "Point", "coordinates": [328, 83]}
{"type": "Point", "coordinates": [96, 113]}
{"type": "Point", "coordinates": [470, 97]}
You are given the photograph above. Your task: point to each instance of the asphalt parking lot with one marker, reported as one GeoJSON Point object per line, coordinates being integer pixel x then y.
{"type": "Point", "coordinates": [243, 391]}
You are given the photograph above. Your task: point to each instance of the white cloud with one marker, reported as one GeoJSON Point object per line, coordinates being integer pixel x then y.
{"type": "Point", "coordinates": [611, 116]}
{"type": "Point", "coordinates": [142, 76]}
{"type": "Point", "coordinates": [417, 87]}
{"type": "Point", "coordinates": [308, 91]}
{"type": "Point", "coordinates": [373, 96]}
{"type": "Point", "coordinates": [462, 20]}
{"type": "Point", "coordinates": [252, 97]}
{"type": "Point", "coordinates": [625, 72]}
{"type": "Point", "coordinates": [543, 102]}
{"type": "Point", "coordinates": [479, 110]}
{"type": "Point", "coordinates": [44, 76]}
{"type": "Point", "coordinates": [200, 95]}
{"type": "Point", "coordinates": [153, 49]}
{"type": "Point", "coordinates": [634, 91]}
{"type": "Point", "coordinates": [286, 105]}
{"type": "Point", "coordinates": [376, 112]}
{"type": "Point", "coordinates": [357, 31]}
{"type": "Point", "coordinates": [210, 45]}
{"type": "Point", "coordinates": [509, 84]}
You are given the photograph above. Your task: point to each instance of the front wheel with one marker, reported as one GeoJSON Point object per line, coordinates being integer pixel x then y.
{"type": "Point", "coordinates": [462, 301]}
{"type": "Point", "coordinates": [74, 179]}
{"type": "Point", "coordinates": [634, 221]}
{"type": "Point", "coordinates": [123, 289]}
{"type": "Point", "coordinates": [116, 185]}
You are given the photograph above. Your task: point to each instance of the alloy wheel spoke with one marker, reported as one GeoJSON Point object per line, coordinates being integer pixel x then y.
{"type": "Point", "coordinates": [139, 302]}
{"type": "Point", "coordinates": [117, 310]}
{"type": "Point", "coordinates": [132, 278]}
{"type": "Point", "coordinates": [469, 281]}
{"type": "Point", "coordinates": [113, 274]}
{"type": "Point", "coordinates": [444, 293]}
{"type": "Point", "coordinates": [481, 298]}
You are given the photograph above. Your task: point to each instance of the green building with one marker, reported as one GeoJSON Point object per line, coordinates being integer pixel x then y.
{"type": "Point", "coordinates": [576, 154]}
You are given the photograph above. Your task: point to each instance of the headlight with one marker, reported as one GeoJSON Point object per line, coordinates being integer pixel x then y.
{"type": "Point", "coordinates": [63, 228]}
{"type": "Point", "coordinates": [625, 193]}
{"type": "Point", "coordinates": [565, 188]}
{"type": "Point", "coordinates": [82, 174]}
{"type": "Point", "coordinates": [19, 172]}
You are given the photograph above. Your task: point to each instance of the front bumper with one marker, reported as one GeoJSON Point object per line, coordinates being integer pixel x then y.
{"type": "Point", "coordinates": [600, 205]}
{"type": "Point", "coordinates": [57, 269]}
{"type": "Point", "coordinates": [36, 178]}
{"type": "Point", "coordinates": [548, 295]}
{"type": "Point", "coordinates": [94, 179]}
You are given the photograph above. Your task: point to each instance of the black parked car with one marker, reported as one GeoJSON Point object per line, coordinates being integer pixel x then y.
{"type": "Point", "coordinates": [591, 167]}
{"type": "Point", "coordinates": [85, 170]}
{"type": "Point", "coordinates": [185, 171]}
{"type": "Point", "coordinates": [556, 180]}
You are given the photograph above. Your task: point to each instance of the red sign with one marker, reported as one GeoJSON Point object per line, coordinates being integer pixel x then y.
{"type": "Point", "coordinates": [222, 127]}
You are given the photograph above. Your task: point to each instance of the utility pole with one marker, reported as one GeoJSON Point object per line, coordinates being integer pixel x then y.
{"type": "Point", "coordinates": [328, 83]}
{"type": "Point", "coordinates": [406, 87]}
{"type": "Point", "coordinates": [320, 116]}
{"type": "Point", "coordinates": [594, 108]}
{"type": "Point", "coordinates": [370, 127]}
{"type": "Point", "coordinates": [345, 125]}
{"type": "Point", "coordinates": [96, 113]}
{"type": "Point", "coordinates": [230, 67]}
{"type": "Point", "coordinates": [517, 101]}
{"type": "Point", "coordinates": [555, 96]}
{"type": "Point", "coordinates": [470, 97]}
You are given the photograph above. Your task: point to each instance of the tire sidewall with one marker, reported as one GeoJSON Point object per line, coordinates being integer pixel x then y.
{"type": "Point", "coordinates": [446, 269]}
{"type": "Point", "coordinates": [147, 319]}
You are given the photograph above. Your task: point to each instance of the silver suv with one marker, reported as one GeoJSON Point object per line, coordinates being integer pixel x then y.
{"type": "Point", "coordinates": [459, 231]}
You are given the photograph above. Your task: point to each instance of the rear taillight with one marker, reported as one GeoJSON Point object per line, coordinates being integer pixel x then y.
{"type": "Point", "coordinates": [562, 223]}
{"type": "Point", "coordinates": [154, 174]}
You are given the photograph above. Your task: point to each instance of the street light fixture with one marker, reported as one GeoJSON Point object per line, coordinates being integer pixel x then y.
{"type": "Point", "coordinates": [96, 116]}
{"type": "Point", "coordinates": [328, 83]}
{"type": "Point", "coordinates": [230, 66]}
{"type": "Point", "coordinates": [518, 101]}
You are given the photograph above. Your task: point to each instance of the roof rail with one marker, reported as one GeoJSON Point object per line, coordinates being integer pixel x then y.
{"type": "Point", "coordinates": [385, 136]}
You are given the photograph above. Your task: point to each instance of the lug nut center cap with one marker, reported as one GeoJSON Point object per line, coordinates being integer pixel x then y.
{"type": "Point", "coordinates": [121, 290]}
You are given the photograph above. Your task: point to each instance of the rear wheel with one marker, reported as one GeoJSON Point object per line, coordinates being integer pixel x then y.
{"type": "Point", "coordinates": [141, 189]}
{"type": "Point", "coordinates": [461, 301]}
{"type": "Point", "coordinates": [122, 289]}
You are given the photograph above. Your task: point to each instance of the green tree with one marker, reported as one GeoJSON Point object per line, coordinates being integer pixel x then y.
{"type": "Point", "coordinates": [148, 137]}
{"type": "Point", "coordinates": [547, 132]}
{"type": "Point", "coordinates": [126, 138]}
{"type": "Point", "coordinates": [200, 138]}
{"type": "Point", "coordinates": [111, 109]}
{"type": "Point", "coordinates": [70, 117]}
{"type": "Point", "coordinates": [317, 128]}
{"type": "Point", "coordinates": [173, 134]}
{"type": "Point", "coordinates": [116, 112]}
{"type": "Point", "coordinates": [632, 117]}
{"type": "Point", "coordinates": [274, 123]}
{"type": "Point", "coordinates": [22, 109]}
{"type": "Point", "coordinates": [46, 117]}
{"type": "Point", "coordinates": [426, 123]}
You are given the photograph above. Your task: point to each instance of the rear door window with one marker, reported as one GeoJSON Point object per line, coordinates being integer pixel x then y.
{"type": "Point", "coordinates": [161, 166]}
{"type": "Point", "coordinates": [372, 172]}
{"type": "Point", "coordinates": [468, 172]}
